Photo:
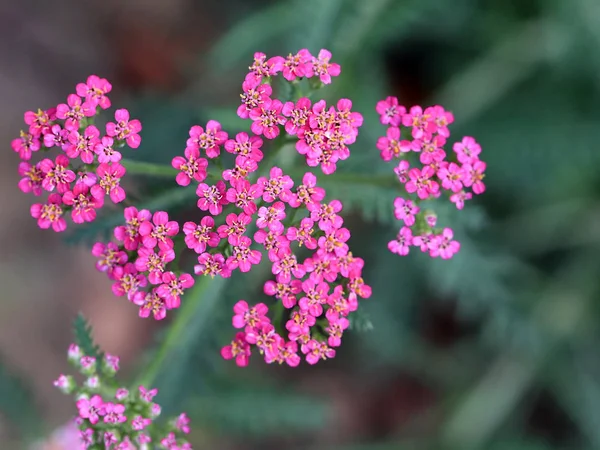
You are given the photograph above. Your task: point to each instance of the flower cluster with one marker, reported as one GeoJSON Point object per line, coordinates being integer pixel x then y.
{"type": "Point", "coordinates": [244, 207]}
{"type": "Point", "coordinates": [115, 418]}
{"type": "Point", "coordinates": [323, 134]}
{"type": "Point", "coordinates": [87, 168]}
{"type": "Point", "coordinates": [460, 175]}
{"type": "Point", "coordinates": [138, 262]}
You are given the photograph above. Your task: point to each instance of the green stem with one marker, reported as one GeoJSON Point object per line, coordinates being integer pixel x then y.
{"type": "Point", "coordinates": [146, 168]}
{"type": "Point", "coordinates": [173, 339]}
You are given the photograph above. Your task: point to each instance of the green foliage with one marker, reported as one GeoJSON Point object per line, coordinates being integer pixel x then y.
{"type": "Point", "coordinates": [84, 339]}
{"type": "Point", "coordinates": [17, 403]}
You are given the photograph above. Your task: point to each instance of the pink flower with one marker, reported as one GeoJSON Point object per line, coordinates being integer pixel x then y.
{"type": "Point", "coordinates": [138, 423]}
{"type": "Point", "coordinates": [87, 178]}
{"type": "Point", "coordinates": [322, 68]}
{"type": "Point", "coordinates": [129, 234]}
{"type": "Point", "coordinates": [335, 330]}
{"type": "Point", "coordinates": [83, 203]}
{"type": "Point", "coordinates": [266, 118]}
{"type": "Point", "coordinates": [271, 217]}
{"type": "Point", "coordinates": [173, 287]}
{"type": "Point", "coordinates": [277, 186]}
{"type": "Point", "coordinates": [405, 210]}
{"type": "Point", "coordinates": [467, 151]}
{"type": "Point", "coordinates": [25, 145]}
{"type": "Point", "coordinates": [50, 214]}
{"type": "Point", "coordinates": [153, 263]}
{"type": "Point", "coordinates": [424, 241]}
{"type": "Point", "coordinates": [245, 146]}
{"type": "Point", "coordinates": [209, 140]}
{"type": "Point", "coordinates": [284, 352]}
{"type": "Point", "coordinates": [147, 394]}
{"type": "Point", "coordinates": [83, 146]}
{"type": "Point", "coordinates": [307, 192]}
{"type": "Point", "coordinates": [432, 151]}
{"type": "Point", "coordinates": [128, 280]}
{"type": "Point", "coordinates": [74, 111]}
{"type": "Point", "coordinates": [451, 177]}
{"type": "Point", "coordinates": [105, 151]}
{"type": "Point", "coordinates": [334, 241]}
{"type": "Point", "coordinates": [243, 167]}
{"type": "Point", "coordinates": [242, 256]}
{"type": "Point", "coordinates": [125, 129]}
{"type": "Point", "coordinates": [284, 292]}
{"type": "Point", "coordinates": [114, 413]}
{"type": "Point", "coordinates": [315, 296]}
{"type": "Point", "coordinates": [443, 245]}
{"type": "Point", "coordinates": [317, 351]}
{"type": "Point", "coordinates": [57, 136]}
{"type": "Point", "coordinates": [442, 119]}
{"type": "Point", "coordinates": [261, 67]}
{"type": "Point", "coordinates": [390, 111]}
{"type": "Point", "coordinates": [296, 66]}
{"type": "Point", "coordinates": [32, 180]}
{"type": "Point", "coordinates": [459, 198]}
{"type": "Point", "coordinates": [110, 256]}
{"type": "Point", "coordinates": [322, 266]}
{"type": "Point", "coordinates": [303, 234]}
{"type": "Point", "coordinates": [193, 167]}
{"type": "Point", "coordinates": [39, 122]}
{"type": "Point", "coordinates": [286, 267]}
{"type": "Point", "coordinates": [91, 409]}
{"type": "Point", "coordinates": [238, 349]}
{"type": "Point", "coordinates": [197, 237]}
{"type": "Point", "coordinates": [391, 146]}
{"type": "Point", "coordinates": [402, 171]}
{"type": "Point", "coordinates": [94, 91]}
{"type": "Point", "coordinates": [326, 214]}
{"type": "Point", "coordinates": [242, 193]}
{"type": "Point", "coordinates": [159, 231]}
{"type": "Point", "coordinates": [472, 176]}
{"type": "Point", "coordinates": [298, 114]}
{"type": "Point", "coordinates": [264, 337]}
{"type": "Point", "coordinates": [234, 226]}
{"type": "Point", "coordinates": [422, 123]}
{"type": "Point", "coordinates": [421, 183]}
{"type": "Point", "coordinates": [212, 198]}
{"type": "Point", "coordinates": [249, 318]}
{"type": "Point", "coordinates": [274, 242]}
{"type": "Point", "coordinates": [150, 302]}
{"type": "Point", "coordinates": [358, 288]}
{"type": "Point", "coordinates": [254, 95]}
{"type": "Point", "coordinates": [109, 182]}
{"type": "Point", "coordinates": [182, 423]}
{"type": "Point", "coordinates": [401, 245]}
{"type": "Point", "coordinates": [212, 265]}
{"type": "Point", "coordinates": [348, 118]}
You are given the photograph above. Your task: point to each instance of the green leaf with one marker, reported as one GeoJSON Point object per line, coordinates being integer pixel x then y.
{"type": "Point", "coordinates": [17, 403]}
{"type": "Point", "coordinates": [261, 411]}
{"type": "Point", "coordinates": [84, 339]}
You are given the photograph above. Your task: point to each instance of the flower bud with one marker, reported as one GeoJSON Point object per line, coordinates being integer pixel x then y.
{"type": "Point", "coordinates": [88, 365]}
{"type": "Point", "coordinates": [65, 383]}
{"type": "Point", "coordinates": [74, 354]}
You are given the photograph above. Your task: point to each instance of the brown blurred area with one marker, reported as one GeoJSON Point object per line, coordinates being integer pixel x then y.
{"type": "Point", "coordinates": [47, 48]}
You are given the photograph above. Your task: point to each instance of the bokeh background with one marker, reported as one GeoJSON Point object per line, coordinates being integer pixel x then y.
{"type": "Point", "coordinates": [495, 349]}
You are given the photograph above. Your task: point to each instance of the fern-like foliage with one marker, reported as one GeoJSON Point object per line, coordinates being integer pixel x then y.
{"type": "Point", "coordinates": [84, 339]}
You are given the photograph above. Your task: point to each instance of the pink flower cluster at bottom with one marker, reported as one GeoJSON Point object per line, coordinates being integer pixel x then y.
{"type": "Point", "coordinates": [116, 419]}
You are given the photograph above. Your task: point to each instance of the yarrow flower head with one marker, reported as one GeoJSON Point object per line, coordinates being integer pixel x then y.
{"type": "Point", "coordinates": [85, 166]}
{"type": "Point", "coordinates": [458, 175]}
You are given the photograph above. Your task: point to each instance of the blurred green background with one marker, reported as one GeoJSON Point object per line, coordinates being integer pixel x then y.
{"type": "Point", "coordinates": [494, 349]}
